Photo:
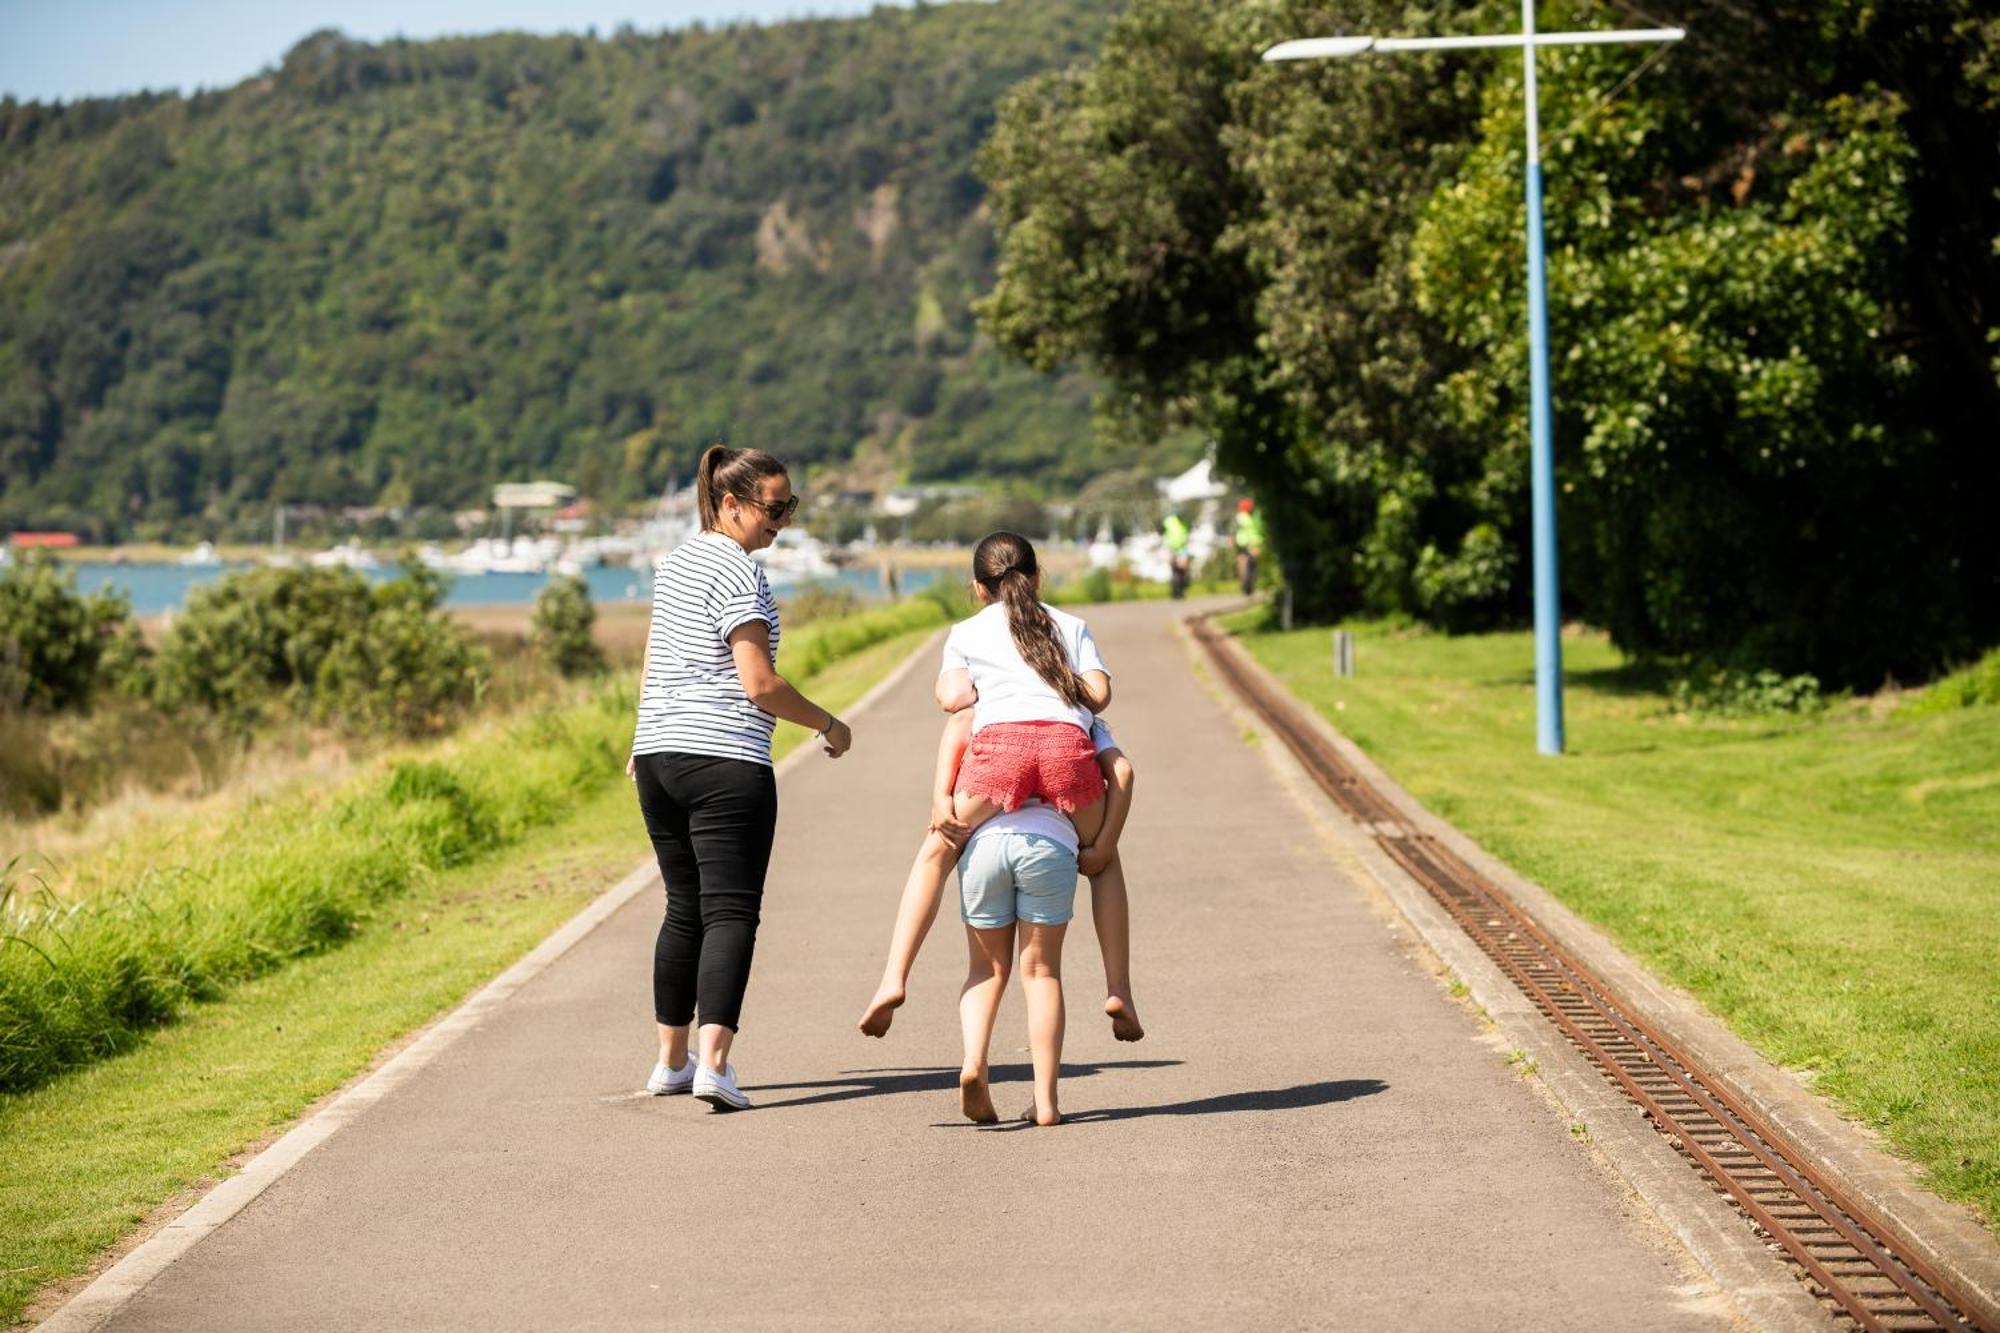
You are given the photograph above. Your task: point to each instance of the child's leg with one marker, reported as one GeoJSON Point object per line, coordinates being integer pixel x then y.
{"type": "Point", "coordinates": [1111, 915]}
{"type": "Point", "coordinates": [971, 810]}
{"type": "Point", "coordinates": [989, 958]}
{"type": "Point", "coordinates": [1089, 821]}
{"type": "Point", "coordinates": [1041, 983]}
{"type": "Point", "coordinates": [922, 892]}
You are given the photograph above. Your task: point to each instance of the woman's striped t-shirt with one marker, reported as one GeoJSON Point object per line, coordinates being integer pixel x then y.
{"type": "Point", "coordinates": [691, 701]}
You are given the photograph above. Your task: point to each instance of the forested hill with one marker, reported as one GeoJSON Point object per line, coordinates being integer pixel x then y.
{"type": "Point", "coordinates": [395, 274]}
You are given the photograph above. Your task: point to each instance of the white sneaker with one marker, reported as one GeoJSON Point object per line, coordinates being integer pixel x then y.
{"type": "Point", "coordinates": [667, 1081]}
{"type": "Point", "coordinates": [719, 1090]}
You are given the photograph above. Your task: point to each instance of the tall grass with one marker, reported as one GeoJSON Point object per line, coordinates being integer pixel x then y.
{"type": "Point", "coordinates": [83, 979]}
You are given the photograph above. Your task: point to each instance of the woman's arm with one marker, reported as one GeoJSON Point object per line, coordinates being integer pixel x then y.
{"type": "Point", "coordinates": [750, 645]}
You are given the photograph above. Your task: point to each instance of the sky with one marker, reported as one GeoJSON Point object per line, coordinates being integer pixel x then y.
{"type": "Point", "coordinates": [65, 49]}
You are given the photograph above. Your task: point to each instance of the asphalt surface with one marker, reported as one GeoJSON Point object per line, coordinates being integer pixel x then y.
{"type": "Point", "coordinates": [1312, 1133]}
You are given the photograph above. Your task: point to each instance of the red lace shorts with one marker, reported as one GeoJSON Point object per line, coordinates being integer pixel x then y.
{"type": "Point", "coordinates": [1009, 762]}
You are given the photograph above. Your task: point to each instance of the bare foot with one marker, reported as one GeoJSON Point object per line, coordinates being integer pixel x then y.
{"type": "Point", "coordinates": [881, 1010]}
{"type": "Point", "coordinates": [1034, 1117]}
{"type": "Point", "coordinates": [1124, 1017]}
{"type": "Point", "coordinates": [975, 1099]}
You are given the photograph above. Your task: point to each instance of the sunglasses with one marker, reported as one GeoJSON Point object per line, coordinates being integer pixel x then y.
{"type": "Point", "coordinates": [775, 510]}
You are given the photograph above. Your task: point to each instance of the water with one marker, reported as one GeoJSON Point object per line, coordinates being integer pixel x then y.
{"type": "Point", "coordinates": [157, 588]}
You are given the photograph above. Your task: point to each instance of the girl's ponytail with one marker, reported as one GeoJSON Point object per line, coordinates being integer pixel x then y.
{"type": "Point", "coordinates": [1004, 564]}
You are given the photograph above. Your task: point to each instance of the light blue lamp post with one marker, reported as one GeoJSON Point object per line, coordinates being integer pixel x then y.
{"type": "Point", "coordinates": [1548, 609]}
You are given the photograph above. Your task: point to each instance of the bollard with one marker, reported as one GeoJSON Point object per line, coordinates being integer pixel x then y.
{"type": "Point", "coordinates": [1343, 653]}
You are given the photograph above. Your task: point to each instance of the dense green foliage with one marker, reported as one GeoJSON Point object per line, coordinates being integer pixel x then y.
{"type": "Point", "coordinates": [1976, 686]}
{"type": "Point", "coordinates": [561, 631]}
{"type": "Point", "coordinates": [393, 275]}
{"type": "Point", "coordinates": [56, 644]}
{"type": "Point", "coordinates": [322, 643]}
{"type": "Point", "coordinates": [88, 710]}
{"type": "Point", "coordinates": [1773, 298]}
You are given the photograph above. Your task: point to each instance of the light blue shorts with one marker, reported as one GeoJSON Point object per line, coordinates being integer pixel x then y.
{"type": "Point", "coordinates": [1005, 877]}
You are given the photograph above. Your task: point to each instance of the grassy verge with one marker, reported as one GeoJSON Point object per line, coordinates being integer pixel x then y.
{"type": "Point", "coordinates": [1829, 886]}
{"type": "Point", "coordinates": [1121, 585]}
{"type": "Point", "coordinates": [88, 1155]}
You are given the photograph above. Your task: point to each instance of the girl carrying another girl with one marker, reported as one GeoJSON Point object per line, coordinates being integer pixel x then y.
{"type": "Point", "coordinates": [1032, 678]}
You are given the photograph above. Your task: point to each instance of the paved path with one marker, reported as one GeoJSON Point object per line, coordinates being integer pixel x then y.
{"type": "Point", "coordinates": [1313, 1134]}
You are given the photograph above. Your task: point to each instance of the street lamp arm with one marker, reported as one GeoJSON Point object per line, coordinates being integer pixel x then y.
{"type": "Point", "coordinates": [1313, 48]}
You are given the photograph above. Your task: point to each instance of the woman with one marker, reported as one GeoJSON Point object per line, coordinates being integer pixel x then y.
{"type": "Point", "coordinates": [701, 758]}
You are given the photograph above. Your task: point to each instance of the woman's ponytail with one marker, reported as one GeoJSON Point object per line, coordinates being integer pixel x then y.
{"type": "Point", "coordinates": [1004, 564]}
{"type": "Point", "coordinates": [725, 471]}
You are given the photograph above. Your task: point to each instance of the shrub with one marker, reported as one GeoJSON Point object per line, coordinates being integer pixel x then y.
{"type": "Point", "coordinates": [1730, 692]}
{"type": "Point", "coordinates": [53, 640]}
{"type": "Point", "coordinates": [325, 644]}
{"type": "Point", "coordinates": [1976, 686]}
{"type": "Point", "coordinates": [562, 622]}
{"type": "Point", "coordinates": [407, 669]}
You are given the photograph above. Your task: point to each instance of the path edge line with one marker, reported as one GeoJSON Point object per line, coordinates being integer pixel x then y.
{"type": "Point", "coordinates": [114, 1288]}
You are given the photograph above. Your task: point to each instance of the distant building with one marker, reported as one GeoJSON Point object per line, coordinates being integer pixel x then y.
{"type": "Point", "coordinates": [53, 541]}
{"type": "Point", "coordinates": [532, 495]}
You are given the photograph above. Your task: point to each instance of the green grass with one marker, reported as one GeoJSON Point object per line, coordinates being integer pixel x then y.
{"type": "Point", "coordinates": [1829, 886]}
{"type": "Point", "coordinates": [90, 1154]}
{"type": "Point", "coordinates": [87, 967]}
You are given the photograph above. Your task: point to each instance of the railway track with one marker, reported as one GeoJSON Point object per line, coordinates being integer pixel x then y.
{"type": "Point", "coordinates": [1854, 1263]}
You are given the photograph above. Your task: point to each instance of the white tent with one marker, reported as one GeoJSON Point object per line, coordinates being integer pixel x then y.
{"type": "Point", "coordinates": [1197, 483]}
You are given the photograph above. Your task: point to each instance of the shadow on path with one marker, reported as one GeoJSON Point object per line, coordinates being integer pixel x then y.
{"type": "Point", "coordinates": [1270, 1099]}
{"type": "Point", "coordinates": [931, 1078]}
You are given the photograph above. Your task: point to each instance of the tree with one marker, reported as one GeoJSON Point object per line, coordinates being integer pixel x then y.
{"type": "Point", "coordinates": [54, 641]}
{"type": "Point", "coordinates": [1225, 243]}
{"type": "Point", "coordinates": [1770, 431]}
{"type": "Point", "coordinates": [562, 627]}
{"type": "Point", "coordinates": [1774, 295]}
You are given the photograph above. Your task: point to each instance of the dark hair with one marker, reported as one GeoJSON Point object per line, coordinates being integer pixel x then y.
{"type": "Point", "coordinates": [1004, 565]}
{"type": "Point", "coordinates": [725, 471]}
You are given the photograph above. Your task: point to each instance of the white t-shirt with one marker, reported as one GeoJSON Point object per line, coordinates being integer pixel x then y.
{"type": "Point", "coordinates": [1032, 816]}
{"type": "Point", "coordinates": [692, 700]}
{"type": "Point", "coordinates": [1009, 689]}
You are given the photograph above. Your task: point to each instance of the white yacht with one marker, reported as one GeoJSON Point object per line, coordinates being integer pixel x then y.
{"type": "Point", "coordinates": [347, 555]}
{"type": "Point", "coordinates": [796, 557]}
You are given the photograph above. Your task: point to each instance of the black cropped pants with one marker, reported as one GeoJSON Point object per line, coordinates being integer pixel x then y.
{"type": "Point", "coordinates": [711, 822]}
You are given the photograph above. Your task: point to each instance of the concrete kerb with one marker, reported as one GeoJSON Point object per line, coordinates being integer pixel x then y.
{"type": "Point", "coordinates": [92, 1307]}
{"type": "Point", "coordinates": [1744, 1269]}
